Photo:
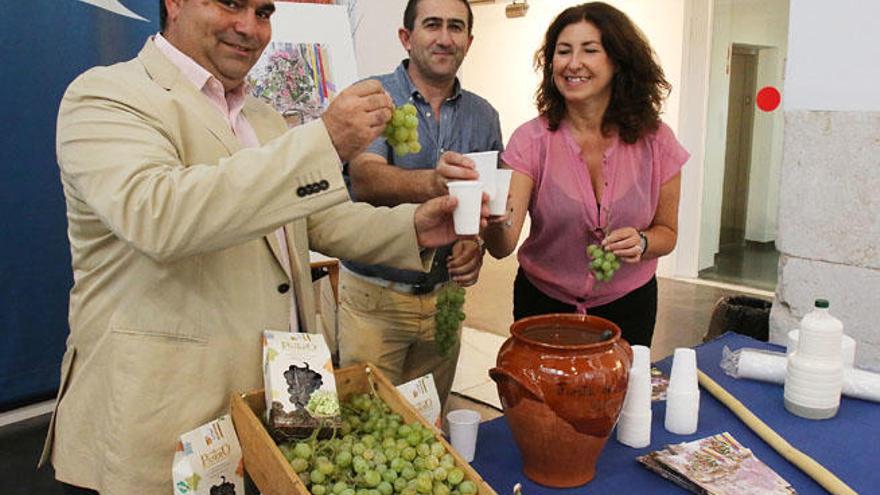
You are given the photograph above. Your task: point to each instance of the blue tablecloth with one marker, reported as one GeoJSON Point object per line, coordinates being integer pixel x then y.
{"type": "Point", "coordinates": [848, 444]}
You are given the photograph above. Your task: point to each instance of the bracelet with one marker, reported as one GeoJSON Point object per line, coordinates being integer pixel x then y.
{"type": "Point", "coordinates": [644, 239]}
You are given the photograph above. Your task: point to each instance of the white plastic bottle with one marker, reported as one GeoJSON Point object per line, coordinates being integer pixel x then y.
{"type": "Point", "coordinates": [814, 374]}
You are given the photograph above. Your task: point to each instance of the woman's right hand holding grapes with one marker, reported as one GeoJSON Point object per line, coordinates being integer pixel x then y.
{"type": "Point", "coordinates": [625, 243]}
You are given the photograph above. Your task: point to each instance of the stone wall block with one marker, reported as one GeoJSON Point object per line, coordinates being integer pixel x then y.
{"type": "Point", "coordinates": [829, 198]}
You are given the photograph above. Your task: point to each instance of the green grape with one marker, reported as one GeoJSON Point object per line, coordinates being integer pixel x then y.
{"type": "Point", "coordinates": [603, 263]}
{"type": "Point", "coordinates": [424, 485]}
{"type": "Point", "coordinates": [326, 467]}
{"type": "Point", "coordinates": [402, 132]}
{"type": "Point", "coordinates": [372, 478]}
{"type": "Point", "coordinates": [302, 450]}
{"type": "Point", "coordinates": [317, 476]}
{"type": "Point", "coordinates": [343, 458]}
{"type": "Point", "coordinates": [299, 464]}
{"type": "Point", "coordinates": [390, 475]}
{"type": "Point", "coordinates": [467, 487]}
{"type": "Point", "coordinates": [409, 453]}
{"type": "Point", "coordinates": [385, 488]}
{"type": "Point", "coordinates": [318, 489]}
{"type": "Point", "coordinates": [455, 476]}
{"type": "Point", "coordinates": [424, 450]}
{"type": "Point", "coordinates": [339, 487]}
{"type": "Point", "coordinates": [448, 318]}
{"type": "Point", "coordinates": [440, 489]}
{"type": "Point", "coordinates": [437, 449]}
{"type": "Point", "coordinates": [408, 473]}
{"type": "Point", "coordinates": [399, 484]}
{"type": "Point", "coordinates": [440, 473]}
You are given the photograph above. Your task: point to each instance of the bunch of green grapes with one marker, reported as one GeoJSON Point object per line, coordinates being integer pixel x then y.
{"type": "Point", "coordinates": [375, 452]}
{"type": "Point", "coordinates": [448, 317]}
{"type": "Point", "coordinates": [402, 131]}
{"type": "Point", "coordinates": [602, 263]}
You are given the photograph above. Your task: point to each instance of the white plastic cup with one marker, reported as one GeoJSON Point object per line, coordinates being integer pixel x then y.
{"type": "Point", "coordinates": [641, 357]}
{"type": "Point", "coordinates": [463, 427]}
{"type": "Point", "coordinates": [467, 213]}
{"type": "Point", "coordinates": [498, 202]}
{"type": "Point", "coordinates": [638, 391]}
{"type": "Point", "coordinates": [683, 376]}
{"type": "Point", "coordinates": [683, 393]}
{"type": "Point", "coordinates": [682, 412]}
{"type": "Point", "coordinates": [634, 430]}
{"type": "Point", "coordinates": [487, 164]}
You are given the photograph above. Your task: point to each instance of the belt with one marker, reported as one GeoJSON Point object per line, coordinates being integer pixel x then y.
{"type": "Point", "coordinates": [417, 289]}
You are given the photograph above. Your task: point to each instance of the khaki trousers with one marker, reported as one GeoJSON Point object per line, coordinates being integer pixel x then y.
{"type": "Point", "coordinates": [394, 331]}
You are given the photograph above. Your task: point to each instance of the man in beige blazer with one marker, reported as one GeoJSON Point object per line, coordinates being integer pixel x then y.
{"type": "Point", "coordinates": [178, 260]}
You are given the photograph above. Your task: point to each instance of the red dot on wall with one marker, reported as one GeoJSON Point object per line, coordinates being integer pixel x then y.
{"type": "Point", "coordinates": [768, 98]}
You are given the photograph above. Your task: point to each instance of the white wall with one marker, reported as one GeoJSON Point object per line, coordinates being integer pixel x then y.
{"type": "Point", "coordinates": [376, 44]}
{"type": "Point", "coordinates": [834, 53]}
{"type": "Point", "coordinates": [762, 24]}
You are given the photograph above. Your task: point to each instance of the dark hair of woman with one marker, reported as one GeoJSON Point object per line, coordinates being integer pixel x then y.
{"type": "Point", "coordinates": [638, 87]}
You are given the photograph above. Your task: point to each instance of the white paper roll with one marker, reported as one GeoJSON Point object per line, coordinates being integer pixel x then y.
{"type": "Point", "coordinates": [767, 366]}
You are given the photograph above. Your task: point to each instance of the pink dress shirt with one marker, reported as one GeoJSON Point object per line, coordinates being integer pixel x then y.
{"type": "Point", "coordinates": [566, 218]}
{"type": "Point", "coordinates": [229, 104]}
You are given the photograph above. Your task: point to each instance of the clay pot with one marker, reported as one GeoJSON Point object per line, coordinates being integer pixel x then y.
{"type": "Point", "coordinates": [562, 379]}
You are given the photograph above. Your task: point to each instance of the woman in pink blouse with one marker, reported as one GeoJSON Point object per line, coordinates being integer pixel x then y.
{"type": "Point", "coordinates": [597, 166]}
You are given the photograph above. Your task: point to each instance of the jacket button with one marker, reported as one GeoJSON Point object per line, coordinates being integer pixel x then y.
{"type": "Point", "coordinates": [324, 185]}
{"type": "Point", "coordinates": [301, 191]}
{"type": "Point", "coordinates": [283, 288]}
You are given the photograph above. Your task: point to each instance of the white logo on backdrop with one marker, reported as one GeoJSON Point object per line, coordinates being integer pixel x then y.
{"type": "Point", "coordinates": [115, 7]}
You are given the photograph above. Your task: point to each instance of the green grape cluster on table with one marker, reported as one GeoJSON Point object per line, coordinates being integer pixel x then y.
{"type": "Point", "coordinates": [448, 317]}
{"type": "Point", "coordinates": [375, 452]}
{"type": "Point", "coordinates": [602, 263]}
{"type": "Point", "coordinates": [402, 131]}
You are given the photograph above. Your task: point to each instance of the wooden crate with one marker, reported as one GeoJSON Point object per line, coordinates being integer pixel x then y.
{"type": "Point", "coordinates": [267, 466]}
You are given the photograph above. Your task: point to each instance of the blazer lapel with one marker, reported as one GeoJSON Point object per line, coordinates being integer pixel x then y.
{"type": "Point", "coordinates": [167, 75]}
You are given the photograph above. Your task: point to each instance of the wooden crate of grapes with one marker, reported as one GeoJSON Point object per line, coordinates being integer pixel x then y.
{"type": "Point", "coordinates": [273, 470]}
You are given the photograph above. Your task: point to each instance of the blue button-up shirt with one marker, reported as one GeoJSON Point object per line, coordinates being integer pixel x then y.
{"type": "Point", "coordinates": [467, 124]}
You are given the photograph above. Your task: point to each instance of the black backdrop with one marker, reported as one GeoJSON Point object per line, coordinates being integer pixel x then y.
{"type": "Point", "coordinates": [46, 44]}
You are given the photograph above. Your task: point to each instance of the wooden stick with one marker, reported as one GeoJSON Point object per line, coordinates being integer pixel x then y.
{"type": "Point", "coordinates": [802, 461]}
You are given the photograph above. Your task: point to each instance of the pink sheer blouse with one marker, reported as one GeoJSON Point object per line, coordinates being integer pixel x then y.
{"type": "Point", "coordinates": [565, 216]}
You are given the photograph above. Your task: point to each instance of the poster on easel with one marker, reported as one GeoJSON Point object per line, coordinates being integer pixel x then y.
{"type": "Point", "coordinates": [308, 61]}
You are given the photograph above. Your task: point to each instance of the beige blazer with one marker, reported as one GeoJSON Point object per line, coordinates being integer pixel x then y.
{"type": "Point", "coordinates": [176, 267]}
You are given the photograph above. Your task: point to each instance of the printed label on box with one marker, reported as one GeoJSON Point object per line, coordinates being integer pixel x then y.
{"type": "Point", "coordinates": [299, 381]}
{"type": "Point", "coordinates": [208, 461]}
{"type": "Point", "coordinates": [422, 394]}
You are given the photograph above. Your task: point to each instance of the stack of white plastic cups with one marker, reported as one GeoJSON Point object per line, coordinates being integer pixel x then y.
{"type": "Point", "coordinates": [683, 394]}
{"type": "Point", "coordinates": [634, 425]}
{"type": "Point", "coordinates": [814, 375]}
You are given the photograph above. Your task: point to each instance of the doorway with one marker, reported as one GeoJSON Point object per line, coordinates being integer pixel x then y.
{"type": "Point", "coordinates": [742, 151]}
{"type": "Point", "coordinates": [738, 156]}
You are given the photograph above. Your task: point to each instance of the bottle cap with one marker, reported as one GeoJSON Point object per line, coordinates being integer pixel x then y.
{"type": "Point", "coordinates": [822, 303]}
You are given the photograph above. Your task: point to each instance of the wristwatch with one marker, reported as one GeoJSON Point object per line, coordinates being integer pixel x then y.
{"type": "Point", "coordinates": [644, 242]}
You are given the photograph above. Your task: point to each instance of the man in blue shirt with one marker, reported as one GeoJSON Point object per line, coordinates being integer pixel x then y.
{"type": "Point", "coordinates": [386, 315]}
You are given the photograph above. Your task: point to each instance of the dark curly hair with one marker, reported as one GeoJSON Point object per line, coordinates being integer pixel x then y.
{"type": "Point", "coordinates": [638, 87]}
